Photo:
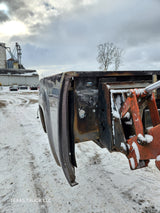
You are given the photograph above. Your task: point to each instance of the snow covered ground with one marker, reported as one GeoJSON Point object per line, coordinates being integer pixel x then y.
{"type": "Point", "coordinates": [30, 180]}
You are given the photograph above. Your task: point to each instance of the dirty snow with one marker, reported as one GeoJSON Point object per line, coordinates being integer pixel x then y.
{"type": "Point", "coordinates": [30, 180]}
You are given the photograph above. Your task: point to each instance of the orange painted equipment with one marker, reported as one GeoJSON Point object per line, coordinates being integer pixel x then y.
{"type": "Point", "coordinates": [141, 147]}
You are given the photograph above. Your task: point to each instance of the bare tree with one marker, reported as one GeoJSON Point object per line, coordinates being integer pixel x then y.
{"type": "Point", "coordinates": [109, 54]}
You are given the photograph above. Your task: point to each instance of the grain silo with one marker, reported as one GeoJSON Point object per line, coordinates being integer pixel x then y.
{"type": "Point", "coordinates": [12, 71]}
{"type": "Point", "coordinates": [2, 55]}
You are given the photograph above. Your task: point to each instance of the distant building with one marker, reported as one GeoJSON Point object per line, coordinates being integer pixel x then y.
{"type": "Point", "coordinates": [12, 71]}
{"type": "Point", "coordinates": [9, 77]}
{"type": "Point", "coordinates": [12, 64]}
{"type": "Point", "coordinates": [2, 55]}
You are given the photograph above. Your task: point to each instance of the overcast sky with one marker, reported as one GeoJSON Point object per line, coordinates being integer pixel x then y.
{"type": "Point", "coordinates": [64, 34]}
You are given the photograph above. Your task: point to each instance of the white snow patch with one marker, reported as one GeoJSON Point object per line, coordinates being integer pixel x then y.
{"type": "Point", "coordinates": [112, 108]}
{"type": "Point", "coordinates": [135, 147]}
{"type": "Point", "coordinates": [118, 102]}
{"type": "Point", "coordinates": [149, 138]}
{"type": "Point", "coordinates": [158, 158]}
{"type": "Point", "coordinates": [116, 114]}
{"type": "Point", "coordinates": [131, 136]}
{"type": "Point", "coordinates": [146, 138]}
{"type": "Point", "coordinates": [129, 123]}
{"type": "Point", "coordinates": [132, 163]}
{"type": "Point", "coordinates": [115, 108]}
{"type": "Point", "coordinates": [123, 145]}
{"type": "Point", "coordinates": [139, 91]}
{"type": "Point", "coordinates": [127, 115]}
{"type": "Point", "coordinates": [128, 146]}
{"type": "Point", "coordinates": [141, 138]}
{"type": "Point", "coordinates": [121, 91]}
{"type": "Point", "coordinates": [148, 128]}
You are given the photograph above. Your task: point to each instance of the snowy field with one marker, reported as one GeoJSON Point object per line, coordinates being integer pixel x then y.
{"type": "Point", "coordinates": [31, 182]}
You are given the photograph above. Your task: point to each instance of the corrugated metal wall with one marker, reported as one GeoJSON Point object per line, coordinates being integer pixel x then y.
{"type": "Point", "coordinates": [8, 80]}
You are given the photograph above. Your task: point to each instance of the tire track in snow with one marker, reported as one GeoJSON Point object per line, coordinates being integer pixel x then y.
{"type": "Point", "coordinates": [18, 99]}
{"type": "Point", "coordinates": [28, 141]}
{"type": "Point", "coordinates": [16, 145]}
{"type": "Point", "coordinates": [105, 182]}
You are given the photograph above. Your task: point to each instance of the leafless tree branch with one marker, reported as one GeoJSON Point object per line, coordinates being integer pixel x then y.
{"type": "Point", "coordinates": [109, 54]}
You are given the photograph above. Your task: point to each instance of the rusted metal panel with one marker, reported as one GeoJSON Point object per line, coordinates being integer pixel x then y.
{"type": "Point", "coordinates": [64, 135]}
{"type": "Point", "coordinates": [105, 118]}
{"type": "Point", "coordinates": [142, 147]}
{"type": "Point", "coordinates": [53, 100]}
{"type": "Point", "coordinates": [153, 110]}
{"type": "Point", "coordinates": [79, 106]}
{"type": "Point", "coordinates": [85, 109]}
{"type": "Point", "coordinates": [131, 105]}
{"type": "Point", "coordinates": [117, 99]}
{"type": "Point", "coordinates": [143, 75]}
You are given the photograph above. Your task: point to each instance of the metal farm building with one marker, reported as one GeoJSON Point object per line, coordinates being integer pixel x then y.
{"type": "Point", "coordinates": [12, 71]}
{"type": "Point", "coordinates": [9, 77]}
